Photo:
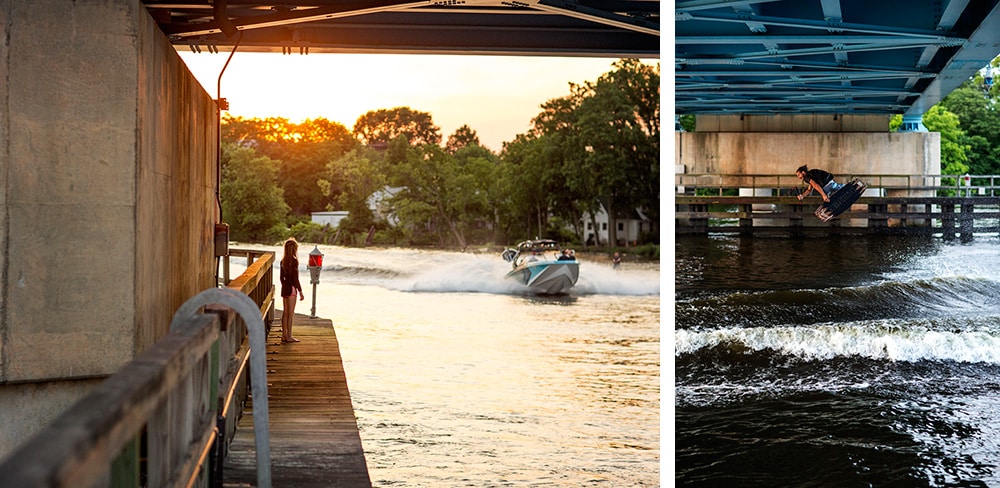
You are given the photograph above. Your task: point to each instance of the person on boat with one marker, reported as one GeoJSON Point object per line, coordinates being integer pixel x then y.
{"type": "Point", "coordinates": [565, 256]}
{"type": "Point", "coordinates": [819, 180]}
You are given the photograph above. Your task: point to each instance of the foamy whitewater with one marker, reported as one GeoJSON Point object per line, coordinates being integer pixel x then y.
{"type": "Point", "coordinates": [459, 377]}
{"type": "Point", "coordinates": [449, 272]}
{"type": "Point", "coordinates": [837, 361]}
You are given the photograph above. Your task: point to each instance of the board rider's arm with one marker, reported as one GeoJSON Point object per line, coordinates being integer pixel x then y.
{"type": "Point", "coordinates": [813, 184]}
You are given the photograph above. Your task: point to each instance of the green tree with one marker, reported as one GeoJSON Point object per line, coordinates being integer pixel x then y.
{"type": "Point", "coordinates": [440, 192]}
{"type": "Point", "coordinates": [349, 182]}
{"type": "Point", "coordinates": [381, 126]}
{"type": "Point", "coordinates": [687, 122]}
{"type": "Point", "coordinates": [572, 187]}
{"type": "Point", "coordinates": [464, 136]}
{"type": "Point", "coordinates": [953, 158]}
{"type": "Point", "coordinates": [527, 178]}
{"type": "Point", "coordinates": [979, 118]}
{"type": "Point", "coordinates": [603, 141]}
{"type": "Point", "coordinates": [303, 150]}
{"type": "Point", "coordinates": [252, 202]}
{"type": "Point", "coordinates": [483, 166]}
{"type": "Point", "coordinates": [620, 121]}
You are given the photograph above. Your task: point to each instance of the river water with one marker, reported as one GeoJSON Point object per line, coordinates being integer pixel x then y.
{"type": "Point", "coordinates": [458, 378]}
{"type": "Point", "coordinates": [851, 361]}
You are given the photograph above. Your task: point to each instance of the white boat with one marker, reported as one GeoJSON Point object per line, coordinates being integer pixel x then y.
{"type": "Point", "coordinates": [542, 266]}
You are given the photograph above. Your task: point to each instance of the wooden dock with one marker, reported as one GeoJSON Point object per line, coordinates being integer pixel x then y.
{"type": "Point", "coordinates": [314, 433]}
{"type": "Point", "coordinates": [948, 216]}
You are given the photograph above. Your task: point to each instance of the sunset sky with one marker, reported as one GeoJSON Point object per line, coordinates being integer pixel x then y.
{"type": "Point", "coordinates": [494, 95]}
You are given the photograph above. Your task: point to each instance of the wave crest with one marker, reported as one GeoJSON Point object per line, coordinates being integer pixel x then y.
{"type": "Point", "coordinates": [890, 340]}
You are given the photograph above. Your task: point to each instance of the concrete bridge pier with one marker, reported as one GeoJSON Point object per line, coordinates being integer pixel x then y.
{"type": "Point", "coordinates": [844, 145]}
{"type": "Point", "coordinates": [107, 198]}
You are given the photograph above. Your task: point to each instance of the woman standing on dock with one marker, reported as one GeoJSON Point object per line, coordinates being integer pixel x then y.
{"type": "Point", "coordinates": [289, 277]}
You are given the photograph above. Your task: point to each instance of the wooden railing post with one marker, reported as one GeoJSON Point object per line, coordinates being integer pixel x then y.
{"type": "Point", "coordinates": [250, 313]}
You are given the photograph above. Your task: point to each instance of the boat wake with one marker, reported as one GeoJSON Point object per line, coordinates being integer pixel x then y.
{"type": "Point", "coordinates": [454, 272]}
{"type": "Point", "coordinates": [481, 274]}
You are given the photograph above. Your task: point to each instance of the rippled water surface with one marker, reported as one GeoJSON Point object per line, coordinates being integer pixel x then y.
{"type": "Point", "coordinates": [458, 378]}
{"type": "Point", "coordinates": [861, 361]}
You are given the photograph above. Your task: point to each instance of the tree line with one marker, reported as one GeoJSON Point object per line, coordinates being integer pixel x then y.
{"type": "Point", "coordinates": [596, 147]}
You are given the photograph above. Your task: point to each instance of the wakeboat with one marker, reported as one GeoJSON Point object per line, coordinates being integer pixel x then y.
{"type": "Point", "coordinates": [542, 266]}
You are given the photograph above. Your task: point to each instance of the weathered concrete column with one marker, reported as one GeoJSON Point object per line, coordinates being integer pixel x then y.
{"type": "Point", "coordinates": [107, 198]}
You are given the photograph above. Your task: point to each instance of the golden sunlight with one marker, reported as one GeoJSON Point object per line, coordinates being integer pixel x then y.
{"type": "Point", "coordinates": [494, 95]}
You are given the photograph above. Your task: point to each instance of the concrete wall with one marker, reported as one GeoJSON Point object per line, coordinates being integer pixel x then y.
{"type": "Point", "coordinates": [176, 207]}
{"type": "Point", "coordinates": [107, 195]}
{"type": "Point", "coordinates": [780, 153]}
{"type": "Point", "coordinates": [792, 123]}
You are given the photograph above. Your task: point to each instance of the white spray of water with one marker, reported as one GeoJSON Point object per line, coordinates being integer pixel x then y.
{"type": "Point", "coordinates": [485, 274]}
{"type": "Point", "coordinates": [978, 260]}
{"type": "Point", "coordinates": [879, 340]}
{"type": "Point", "coordinates": [455, 272]}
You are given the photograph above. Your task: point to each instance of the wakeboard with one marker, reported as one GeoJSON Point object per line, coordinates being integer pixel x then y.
{"type": "Point", "coordinates": [841, 200]}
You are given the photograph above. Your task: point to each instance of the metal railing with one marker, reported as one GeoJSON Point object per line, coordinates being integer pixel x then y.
{"type": "Point", "coordinates": [160, 419]}
{"type": "Point", "coordinates": [895, 184]}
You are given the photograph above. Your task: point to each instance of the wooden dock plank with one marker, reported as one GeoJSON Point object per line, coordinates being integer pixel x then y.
{"type": "Point", "coordinates": [314, 433]}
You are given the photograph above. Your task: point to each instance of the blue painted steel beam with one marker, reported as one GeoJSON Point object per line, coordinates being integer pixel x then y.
{"type": "Point", "coordinates": [887, 56]}
{"type": "Point", "coordinates": [818, 25]}
{"type": "Point", "coordinates": [983, 45]}
{"type": "Point", "coordinates": [824, 39]}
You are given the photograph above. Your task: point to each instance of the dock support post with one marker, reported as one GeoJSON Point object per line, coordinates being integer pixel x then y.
{"type": "Point", "coordinates": [881, 221]}
{"type": "Point", "coordinates": [699, 224]}
{"type": "Point", "coordinates": [746, 219]}
{"type": "Point", "coordinates": [965, 222]}
{"type": "Point", "coordinates": [948, 221]}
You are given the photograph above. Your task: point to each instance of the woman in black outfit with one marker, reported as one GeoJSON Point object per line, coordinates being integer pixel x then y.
{"type": "Point", "coordinates": [290, 285]}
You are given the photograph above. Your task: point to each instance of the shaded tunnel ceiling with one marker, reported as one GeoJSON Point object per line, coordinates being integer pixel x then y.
{"type": "Point", "coordinates": [828, 56]}
{"type": "Point", "coordinates": [588, 28]}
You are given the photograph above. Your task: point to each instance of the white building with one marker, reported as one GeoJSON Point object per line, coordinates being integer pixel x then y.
{"type": "Point", "coordinates": [628, 229]}
{"type": "Point", "coordinates": [377, 203]}
{"type": "Point", "coordinates": [332, 218]}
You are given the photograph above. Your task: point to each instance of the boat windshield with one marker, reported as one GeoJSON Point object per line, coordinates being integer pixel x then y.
{"type": "Point", "coordinates": [544, 245]}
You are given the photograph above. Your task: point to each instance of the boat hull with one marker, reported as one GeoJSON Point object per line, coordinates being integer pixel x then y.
{"type": "Point", "coordinates": [547, 277]}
